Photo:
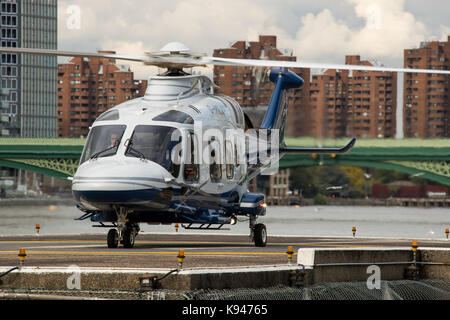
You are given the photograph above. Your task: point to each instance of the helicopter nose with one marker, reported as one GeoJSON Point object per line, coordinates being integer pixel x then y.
{"type": "Point", "coordinates": [102, 184]}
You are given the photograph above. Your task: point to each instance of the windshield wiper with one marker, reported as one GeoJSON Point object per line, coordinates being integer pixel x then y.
{"type": "Point", "coordinates": [95, 156]}
{"type": "Point", "coordinates": [130, 148]}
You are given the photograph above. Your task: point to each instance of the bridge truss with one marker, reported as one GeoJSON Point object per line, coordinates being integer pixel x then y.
{"type": "Point", "coordinates": [427, 159]}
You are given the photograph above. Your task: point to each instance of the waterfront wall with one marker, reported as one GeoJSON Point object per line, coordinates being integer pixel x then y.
{"type": "Point", "coordinates": [314, 266]}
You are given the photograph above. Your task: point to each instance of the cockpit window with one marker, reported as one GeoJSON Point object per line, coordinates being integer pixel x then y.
{"type": "Point", "coordinates": [159, 144]}
{"type": "Point", "coordinates": [103, 141]}
{"type": "Point", "coordinates": [109, 116]}
{"type": "Point", "coordinates": [175, 116]}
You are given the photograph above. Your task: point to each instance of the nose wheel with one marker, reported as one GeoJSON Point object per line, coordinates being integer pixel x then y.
{"type": "Point", "coordinates": [125, 231]}
{"type": "Point", "coordinates": [128, 239]}
{"type": "Point", "coordinates": [125, 236]}
{"type": "Point", "coordinates": [113, 239]}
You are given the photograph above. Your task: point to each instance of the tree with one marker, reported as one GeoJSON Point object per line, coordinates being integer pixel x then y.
{"type": "Point", "coordinates": [359, 183]}
{"type": "Point", "coordinates": [304, 179]}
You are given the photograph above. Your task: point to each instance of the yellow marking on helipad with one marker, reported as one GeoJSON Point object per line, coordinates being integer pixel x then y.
{"type": "Point", "coordinates": [190, 243]}
{"type": "Point", "coordinates": [51, 241]}
{"type": "Point", "coordinates": [146, 253]}
{"type": "Point", "coordinates": [102, 242]}
{"type": "Point", "coordinates": [326, 245]}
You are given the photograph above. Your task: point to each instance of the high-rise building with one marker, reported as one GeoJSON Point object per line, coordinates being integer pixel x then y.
{"type": "Point", "coordinates": [250, 87]}
{"type": "Point", "coordinates": [426, 96]}
{"type": "Point", "coordinates": [88, 87]}
{"type": "Point", "coordinates": [353, 103]}
{"type": "Point", "coordinates": [29, 81]}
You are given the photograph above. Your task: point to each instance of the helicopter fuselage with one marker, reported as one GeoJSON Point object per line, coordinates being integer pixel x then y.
{"type": "Point", "coordinates": [180, 154]}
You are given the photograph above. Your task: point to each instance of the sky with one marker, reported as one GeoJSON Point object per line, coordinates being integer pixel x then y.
{"type": "Point", "coordinates": [316, 30]}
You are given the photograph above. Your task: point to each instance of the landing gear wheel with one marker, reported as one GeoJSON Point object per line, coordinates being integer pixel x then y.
{"type": "Point", "coordinates": [260, 235]}
{"type": "Point", "coordinates": [113, 239]}
{"type": "Point", "coordinates": [128, 239]}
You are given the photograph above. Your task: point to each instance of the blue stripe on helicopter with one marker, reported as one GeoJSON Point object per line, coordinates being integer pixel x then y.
{"type": "Point", "coordinates": [144, 196]}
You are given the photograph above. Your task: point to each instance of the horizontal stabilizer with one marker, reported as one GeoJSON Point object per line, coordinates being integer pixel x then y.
{"type": "Point", "coordinates": [345, 149]}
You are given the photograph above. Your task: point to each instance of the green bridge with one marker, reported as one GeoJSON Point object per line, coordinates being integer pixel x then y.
{"type": "Point", "coordinates": [429, 159]}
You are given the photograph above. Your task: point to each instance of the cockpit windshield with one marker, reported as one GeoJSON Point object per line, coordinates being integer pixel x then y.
{"type": "Point", "coordinates": [159, 144]}
{"type": "Point", "coordinates": [103, 141]}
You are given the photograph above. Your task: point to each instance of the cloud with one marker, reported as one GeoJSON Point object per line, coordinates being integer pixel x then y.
{"type": "Point", "coordinates": [387, 30]}
{"type": "Point", "coordinates": [201, 24]}
{"type": "Point", "coordinates": [379, 29]}
{"type": "Point", "coordinates": [445, 33]}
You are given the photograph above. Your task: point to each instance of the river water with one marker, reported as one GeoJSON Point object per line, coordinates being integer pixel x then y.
{"type": "Point", "coordinates": [390, 222]}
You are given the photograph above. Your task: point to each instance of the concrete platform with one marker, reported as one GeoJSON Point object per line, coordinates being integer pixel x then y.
{"type": "Point", "coordinates": [211, 261]}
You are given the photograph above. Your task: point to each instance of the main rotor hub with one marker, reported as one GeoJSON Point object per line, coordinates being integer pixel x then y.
{"type": "Point", "coordinates": [175, 56]}
{"type": "Point", "coordinates": [175, 48]}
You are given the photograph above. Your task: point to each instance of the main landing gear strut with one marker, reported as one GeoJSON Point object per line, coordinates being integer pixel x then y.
{"type": "Point", "coordinates": [125, 233]}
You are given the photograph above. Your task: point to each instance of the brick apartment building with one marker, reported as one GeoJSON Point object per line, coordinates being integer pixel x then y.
{"type": "Point", "coordinates": [88, 87]}
{"type": "Point", "coordinates": [250, 87]}
{"type": "Point", "coordinates": [426, 96]}
{"type": "Point", "coordinates": [353, 103]}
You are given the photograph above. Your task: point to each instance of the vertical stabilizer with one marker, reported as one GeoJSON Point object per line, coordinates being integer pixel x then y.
{"type": "Point", "coordinates": [275, 118]}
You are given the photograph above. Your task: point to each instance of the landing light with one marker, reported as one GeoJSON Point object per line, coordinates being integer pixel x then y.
{"type": "Point", "coordinates": [290, 253]}
{"type": "Point", "coordinates": [22, 255]}
{"type": "Point", "coordinates": [180, 259]}
{"type": "Point", "coordinates": [169, 180]}
{"type": "Point", "coordinates": [414, 250]}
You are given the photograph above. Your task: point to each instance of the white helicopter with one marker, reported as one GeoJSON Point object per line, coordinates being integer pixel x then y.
{"type": "Point", "coordinates": [182, 154]}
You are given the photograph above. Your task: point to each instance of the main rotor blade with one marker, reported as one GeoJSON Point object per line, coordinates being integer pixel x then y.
{"type": "Point", "coordinates": [48, 52]}
{"type": "Point", "coordinates": [293, 64]}
{"type": "Point", "coordinates": [188, 60]}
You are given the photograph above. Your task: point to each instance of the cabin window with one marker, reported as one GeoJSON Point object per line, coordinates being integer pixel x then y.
{"type": "Point", "coordinates": [215, 168]}
{"type": "Point", "coordinates": [109, 116]}
{"type": "Point", "coordinates": [159, 144]}
{"type": "Point", "coordinates": [229, 160]}
{"type": "Point", "coordinates": [236, 156]}
{"type": "Point", "coordinates": [175, 116]}
{"type": "Point", "coordinates": [103, 141]}
{"type": "Point", "coordinates": [192, 166]}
